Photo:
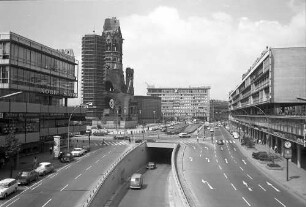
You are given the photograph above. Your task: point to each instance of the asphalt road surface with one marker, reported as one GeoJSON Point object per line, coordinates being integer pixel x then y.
{"type": "Point", "coordinates": [219, 175]}
{"type": "Point", "coordinates": [69, 184]}
{"type": "Point", "coordinates": [154, 192]}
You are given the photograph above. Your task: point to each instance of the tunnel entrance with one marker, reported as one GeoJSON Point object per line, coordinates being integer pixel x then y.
{"type": "Point", "coordinates": [160, 155]}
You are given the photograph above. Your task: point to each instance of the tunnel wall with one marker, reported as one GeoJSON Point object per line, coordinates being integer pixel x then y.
{"type": "Point", "coordinates": [120, 173]}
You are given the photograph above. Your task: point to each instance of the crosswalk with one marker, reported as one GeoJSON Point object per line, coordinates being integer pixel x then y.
{"type": "Point", "coordinates": [108, 143]}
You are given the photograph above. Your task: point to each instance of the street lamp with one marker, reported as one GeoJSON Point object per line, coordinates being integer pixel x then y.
{"type": "Point", "coordinates": [68, 137]}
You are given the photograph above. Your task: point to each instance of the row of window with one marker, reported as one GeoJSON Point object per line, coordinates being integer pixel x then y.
{"type": "Point", "coordinates": [38, 59]}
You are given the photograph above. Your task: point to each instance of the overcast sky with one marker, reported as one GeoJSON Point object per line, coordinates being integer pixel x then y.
{"type": "Point", "coordinates": [169, 43]}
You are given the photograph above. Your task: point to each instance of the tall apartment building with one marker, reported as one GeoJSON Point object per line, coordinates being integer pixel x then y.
{"type": "Point", "coordinates": [35, 84]}
{"type": "Point", "coordinates": [103, 78]}
{"type": "Point", "coordinates": [183, 103]}
{"type": "Point", "coordinates": [269, 104]}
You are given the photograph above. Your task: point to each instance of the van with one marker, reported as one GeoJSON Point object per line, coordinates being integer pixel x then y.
{"type": "Point", "coordinates": [136, 181]}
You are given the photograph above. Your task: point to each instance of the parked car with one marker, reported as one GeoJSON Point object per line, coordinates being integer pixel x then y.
{"type": "Point", "coordinates": [220, 142]}
{"type": "Point", "coordinates": [7, 187]}
{"type": "Point", "coordinates": [136, 181]}
{"type": "Point", "coordinates": [184, 135]}
{"type": "Point", "coordinates": [26, 177]}
{"type": "Point", "coordinates": [86, 148]}
{"type": "Point", "coordinates": [77, 152]}
{"type": "Point", "coordinates": [138, 140]}
{"type": "Point", "coordinates": [44, 168]}
{"type": "Point", "coordinates": [121, 137]}
{"type": "Point", "coordinates": [235, 135]}
{"type": "Point", "coordinates": [65, 156]}
{"type": "Point", "coordinates": [255, 155]}
{"type": "Point", "coordinates": [151, 165]}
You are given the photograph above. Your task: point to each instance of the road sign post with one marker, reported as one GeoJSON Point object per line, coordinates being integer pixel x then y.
{"type": "Point", "coordinates": [287, 155]}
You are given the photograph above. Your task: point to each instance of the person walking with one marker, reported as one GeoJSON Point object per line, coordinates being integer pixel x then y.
{"type": "Point", "coordinates": [34, 162]}
{"type": "Point", "coordinates": [275, 149]}
{"type": "Point", "coordinates": [50, 150]}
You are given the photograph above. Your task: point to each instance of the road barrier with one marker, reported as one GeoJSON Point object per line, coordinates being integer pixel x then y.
{"type": "Point", "coordinates": [179, 196]}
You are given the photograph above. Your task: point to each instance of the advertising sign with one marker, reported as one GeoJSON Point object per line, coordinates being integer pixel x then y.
{"type": "Point", "coordinates": [57, 145]}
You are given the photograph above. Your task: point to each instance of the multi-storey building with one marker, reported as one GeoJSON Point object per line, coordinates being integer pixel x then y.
{"type": "Point", "coordinates": [218, 110]}
{"type": "Point", "coordinates": [269, 104]}
{"type": "Point", "coordinates": [183, 103]}
{"type": "Point", "coordinates": [103, 78]}
{"type": "Point", "coordinates": [35, 84]}
{"type": "Point", "coordinates": [149, 109]}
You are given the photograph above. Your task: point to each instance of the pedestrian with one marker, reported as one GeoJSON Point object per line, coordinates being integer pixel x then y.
{"type": "Point", "coordinates": [197, 138]}
{"type": "Point", "coordinates": [275, 149]}
{"type": "Point", "coordinates": [34, 162]}
{"type": "Point", "coordinates": [50, 150]}
{"type": "Point", "coordinates": [129, 140]}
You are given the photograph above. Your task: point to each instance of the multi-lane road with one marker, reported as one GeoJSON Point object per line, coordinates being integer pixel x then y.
{"type": "Point", "coordinates": [68, 185]}
{"type": "Point", "coordinates": [219, 175]}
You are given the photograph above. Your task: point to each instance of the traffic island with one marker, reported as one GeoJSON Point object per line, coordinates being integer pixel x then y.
{"type": "Point", "coordinates": [274, 166]}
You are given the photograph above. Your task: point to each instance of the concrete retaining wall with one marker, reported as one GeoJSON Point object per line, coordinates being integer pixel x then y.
{"type": "Point", "coordinates": [131, 162]}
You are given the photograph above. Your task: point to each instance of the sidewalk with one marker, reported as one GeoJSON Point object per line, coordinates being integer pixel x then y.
{"type": "Point", "coordinates": [296, 183]}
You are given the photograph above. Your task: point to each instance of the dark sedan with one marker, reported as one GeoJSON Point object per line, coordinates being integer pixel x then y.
{"type": "Point", "coordinates": [26, 177]}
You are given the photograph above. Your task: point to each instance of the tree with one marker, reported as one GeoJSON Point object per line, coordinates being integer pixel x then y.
{"type": "Point", "coordinates": [12, 148]}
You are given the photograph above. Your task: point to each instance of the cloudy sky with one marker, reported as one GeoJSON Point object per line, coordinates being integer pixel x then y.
{"type": "Point", "coordinates": [169, 43]}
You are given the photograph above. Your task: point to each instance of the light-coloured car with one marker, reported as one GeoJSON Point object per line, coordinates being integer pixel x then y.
{"type": "Point", "coordinates": [136, 181]}
{"type": "Point", "coordinates": [44, 168]}
{"type": "Point", "coordinates": [8, 186]}
{"type": "Point", "coordinates": [184, 135]}
{"type": "Point", "coordinates": [76, 152]}
{"type": "Point", "coordinates": [151, 165]}
{"type": "Point", "coordinates": [235, 135]}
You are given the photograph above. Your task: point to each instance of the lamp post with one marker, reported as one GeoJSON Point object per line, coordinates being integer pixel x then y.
{"type": "Point", "coordinates": [68, 136]}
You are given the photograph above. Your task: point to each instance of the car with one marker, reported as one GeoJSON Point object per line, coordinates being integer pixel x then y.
{"type": "Point", "coordinates": [138, 140]}
{"type": "Point", "coordinates": [26, 177]}
{"type": "Point", "coordinates": [235, 135]}
{"type": "Point", "coordinates": [44, 168]}
{"type": "Point", "coordinates": [136, 181]}
{"type": "Point", "coordinates": [255, 155]}
{"type": "Point", "coordinates": [7, 187]}
{"type": "Point", "coordinates": [77, 152]}
{"type": "Point", "coordinates": [184, 135]}
{"type": "Point", "coordinates": [220, 142]}
{"type": "Point", "coordinates": [65, 157]}
{"type": "Point", "coordinates": [86, 148]}
{"type": "Point", "coordinates": [121, 137]}
{"type": "Point", "coordinates": [151, 165]}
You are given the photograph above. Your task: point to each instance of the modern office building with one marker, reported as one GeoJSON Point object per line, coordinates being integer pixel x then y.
{"type": "Point", "coordinates": [269, 104]}
{"type": "Point", "coordinates": [149, 109]}
{"type": "Point", "coordinates": [218, 110]}
{"type": "Point", "coordinates": [103, 78]}
{"type": "Point", "coordinates": [183, 103]}
{"type": "Point", "coordinates": [35, 84]}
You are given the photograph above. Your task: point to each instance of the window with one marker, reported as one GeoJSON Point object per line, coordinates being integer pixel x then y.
{"type": "Point", "coordinates": [4, 74]}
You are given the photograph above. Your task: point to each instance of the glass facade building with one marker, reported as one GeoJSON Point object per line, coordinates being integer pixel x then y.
{"type": "Point", "coordinates": [44, 79]}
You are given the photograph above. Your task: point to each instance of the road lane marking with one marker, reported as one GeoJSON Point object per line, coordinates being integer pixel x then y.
{"type": "Point", "coordinates": [233, 186]}
{"type": "Point", "coordinates": [46, 202]}
{"type": "Point", "coordinates": [36, 186]}
{"type": "Point", "coordinates": [207, 159]}
{"type": "Point", "coordinates": [225, 175]}
{"type": "Point", "coordinates": [244, 162]}
{"type": "Point", "coordinates": [220, 167]}
{"type": "Point", "coordinates": [280, 202]}
{"type": "Point", "coordinates": [241, 168]}
{"type": "Point", "coordinates": [226, 161]}
{"type": "Point", "coordinates": [64, 187]}
{"type": "Point", "coordinates": [203, 181]}
{"type": "Point", "coordinates": [97, 161]}
{"type": "Point", "coordinates": [235, 149]}
{"type": "Point", "coordinates": [13, 202]}
{"type": "Point", "coordinates": [261, 187]}
{"type": "Point", "coordinates": [78, 176]}
{"type": "Point", "coordinates": [246, 201]}
{"type": "Point", "coordinates": [51, 176]}
{"type": "Point", "coordinates": [190, 159]}
{"type": "Point", "coordinates": [245, 183]}
{"type": "Point", "coordinates": [217, 161]}
{"type": "Point", "coordinates": [272, 186]}
{"type": "Point", "coordinates": [249, 176]}
{"type": "Point", "coordinates": [88, 167]}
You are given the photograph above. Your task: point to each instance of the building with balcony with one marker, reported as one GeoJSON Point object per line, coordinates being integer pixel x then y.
{"type": "Point", "coordinates": [183, 103]}
{"type": "Point", "coordinates": [35, 84]}
{"type": "Point", "coordinates": [269, 104]}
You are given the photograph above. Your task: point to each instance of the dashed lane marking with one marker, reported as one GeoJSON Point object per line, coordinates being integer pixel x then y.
{"type": "Point", "coordinates": [246, 201]}
{"type": "Point", "coordinates": [261, 187]}
{"type": "Point", "coordinates": [280, 202]}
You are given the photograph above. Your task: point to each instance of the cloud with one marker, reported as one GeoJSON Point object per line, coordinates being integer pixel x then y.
{"type": "Point", "coordinates": [170, 51]}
